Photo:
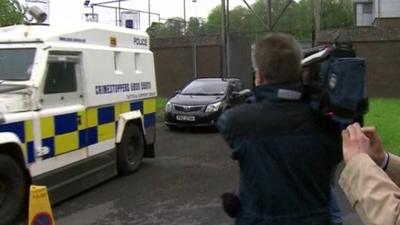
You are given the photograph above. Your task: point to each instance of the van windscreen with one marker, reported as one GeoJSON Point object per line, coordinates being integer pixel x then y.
{"type": "Point", "coordinates": [16, 64]}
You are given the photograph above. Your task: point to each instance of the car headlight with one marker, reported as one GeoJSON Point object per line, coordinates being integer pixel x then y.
{"type": "Point", "coordinates": [168, 107]}
{"type": "Point", "coordinates": [213, 107]}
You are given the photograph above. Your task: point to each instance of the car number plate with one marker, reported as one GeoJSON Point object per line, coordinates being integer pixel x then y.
{"type": "Point", "coordinates": [185, 118]}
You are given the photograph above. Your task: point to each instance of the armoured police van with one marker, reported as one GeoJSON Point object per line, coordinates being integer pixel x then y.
{"type": "Point", "coordinates": [77, 106]}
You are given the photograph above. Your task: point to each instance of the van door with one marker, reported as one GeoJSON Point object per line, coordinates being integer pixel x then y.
{"type": "Point", "coordinates": [64, 160]}
{"type": "Point", "coordinates": [62, 115]}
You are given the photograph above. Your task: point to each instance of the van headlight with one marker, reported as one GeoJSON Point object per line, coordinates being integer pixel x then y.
{"type": "Point", "coordinates": [168, 107]}
{"type": "Point", "coordinates": [213, 107]}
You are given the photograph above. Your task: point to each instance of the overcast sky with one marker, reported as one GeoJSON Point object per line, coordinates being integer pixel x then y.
{"type": "Point", "coordinates": [71, 11]}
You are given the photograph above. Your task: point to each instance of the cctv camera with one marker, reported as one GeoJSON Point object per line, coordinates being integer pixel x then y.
{"type": "Point", "coordinates": [37, 13]}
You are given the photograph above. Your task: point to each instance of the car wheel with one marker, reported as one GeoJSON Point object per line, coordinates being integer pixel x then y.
{"type": "Point", "coordinates": [13, 190]}
{"type": "Point", "coordinates": [130, 150]}
{"type": "Point", "coordinates": [172, 127]}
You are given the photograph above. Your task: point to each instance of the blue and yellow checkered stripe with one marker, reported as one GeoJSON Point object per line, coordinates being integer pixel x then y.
{"type": "Point", "coordinates": [68, 132]}
{"type": "Point", "coordinates": [24, 131]}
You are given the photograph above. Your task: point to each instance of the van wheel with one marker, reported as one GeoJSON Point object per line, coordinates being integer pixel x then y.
{"type": "Point", "coordinates": [130, 150]}
{"type": "Point", "coordinates": [12, 190]}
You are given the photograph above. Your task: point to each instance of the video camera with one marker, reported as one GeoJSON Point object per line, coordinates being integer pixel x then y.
{"type": "Point", "coordinates": [334, 81]}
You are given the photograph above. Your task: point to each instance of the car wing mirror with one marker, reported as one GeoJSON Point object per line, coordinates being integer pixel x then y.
{"type": "Point", "coordinates": [178, 92]}
{"type": "Point", "coordinates": [245, 93]}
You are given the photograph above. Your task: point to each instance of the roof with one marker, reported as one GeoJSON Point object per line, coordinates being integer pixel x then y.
{"type": "Point", "coordinates": [89, 33]}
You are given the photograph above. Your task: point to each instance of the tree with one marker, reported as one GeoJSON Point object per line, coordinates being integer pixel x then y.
{"type": "Point", "coordinates": [337, 14]}
{"type": "Point", "coordinates": [213, 24]}
{"type": "Point", "coordinates": [238, 20]}
{"type": "Point", "coordinates": [10, 13]}
{"type": "Point", "coordinates": [296, 19]}
{"type": "Point", "coordinates": [174, 26]}
{"type": "Point", "coordinates": [155, 30]}
{"type": "Point", "coordinates": [195, 27]}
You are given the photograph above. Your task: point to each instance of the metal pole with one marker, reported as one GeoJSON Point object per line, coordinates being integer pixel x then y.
{"type": "Point", "coordinates": [195, 57]}
{"type": "Point", "coordinates": [184, 16]}
{"type": "Point", "coordinates": [313, 23]}
{"type": "Point", "coordinates": [149, 9]}
{"type": "Point", "coordinates": [116, 17]}
{"type": "Point", "coordinates": [119, 12]}
{"type": "Point", "coordinates": [317, 15]}
{"type": "Point", "coordinates": [269, 14]}
{"type": "Point", "coordinates": [228, 43]}
{"type": "Point", "coordinates": [194, 45]}
{"type": "Point", "coordinates": [223, 39]}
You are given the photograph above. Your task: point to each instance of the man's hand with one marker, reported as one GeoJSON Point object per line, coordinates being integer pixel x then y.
{"type": "Point", "coordinates": [354, 142]}
{"type": "Point", "coordinates": [376, 151]}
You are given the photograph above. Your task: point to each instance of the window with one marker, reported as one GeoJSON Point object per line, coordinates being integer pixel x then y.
{"type": "Point", "coordinates": [367, 8]}
{"type": "Point", "coordinates": [16, 64]}
{"type": "Point", "coordinates": [137, 63]}
{"type": "Point", "coordinates": [118, 63]}
{"type": "Point", "coordinates": [61, 78]}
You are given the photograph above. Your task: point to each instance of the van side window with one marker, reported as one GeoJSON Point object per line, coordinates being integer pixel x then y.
{"type": "Point", "coordinates": [137, 63]}
{"type": "Point", "coordinates": [61, 78]}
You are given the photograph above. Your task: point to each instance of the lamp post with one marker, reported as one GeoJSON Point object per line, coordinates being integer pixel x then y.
{"type": "Point", "coordinates": [148, 4]}
{"type": "Point", "coordinates": [184, 16]}
{"type": "Point", "coordinates": [223, 39]}
{"type": "Point", "coordinates": [194, 43]}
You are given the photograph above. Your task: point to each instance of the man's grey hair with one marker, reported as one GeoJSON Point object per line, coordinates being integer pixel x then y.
{"type": "Point", "coordinates": [278, 58]}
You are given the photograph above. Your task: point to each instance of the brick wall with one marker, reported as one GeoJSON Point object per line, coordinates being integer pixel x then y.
{"type": "Point", "coordinates": [174, 64]}
{"type": "Point", "coordinates": [381, 49]}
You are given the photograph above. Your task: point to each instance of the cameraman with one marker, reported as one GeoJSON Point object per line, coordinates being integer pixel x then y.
{"type": "Point", "coordinates": [373, 193]}
{"type": "Point", "coordinates": [286, 153]}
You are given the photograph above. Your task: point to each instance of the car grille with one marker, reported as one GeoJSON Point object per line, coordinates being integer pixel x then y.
{"type": "Point", "coordinates": [188, 108]}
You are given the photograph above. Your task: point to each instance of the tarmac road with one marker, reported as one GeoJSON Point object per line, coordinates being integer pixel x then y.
{"type": "Point", "coordinates": [180, 187]}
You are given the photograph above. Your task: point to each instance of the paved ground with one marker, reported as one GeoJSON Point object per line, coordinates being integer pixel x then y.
{"type": "Point", "coordinates": [180, 187]}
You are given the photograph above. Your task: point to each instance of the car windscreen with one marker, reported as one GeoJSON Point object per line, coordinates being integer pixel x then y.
{"type": "Point", "coordinates": [205, 87]}
{"type": "Point", "coordinates": [16, 64]}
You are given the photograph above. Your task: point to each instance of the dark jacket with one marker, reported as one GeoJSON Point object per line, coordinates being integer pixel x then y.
{"type": "Point", "coordinates": [286, 155]}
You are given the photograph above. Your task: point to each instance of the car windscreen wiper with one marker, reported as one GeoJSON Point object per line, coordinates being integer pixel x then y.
{"type": "Point", "coordinates": [12, 79]}
{"type": "Point", "coordinates": [195, 93]}
{"type": "Point", "coordinates": [216, 94]}
{"type": "Point", "coordinates": [5, 88]}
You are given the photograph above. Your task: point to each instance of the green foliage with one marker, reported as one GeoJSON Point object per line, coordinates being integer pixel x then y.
{"type": "Point", "coordinates": [195, 27]}
{"type": "Point", "coordinates": [10, 13]}
{"type": "Point", "coordinates": [297, 19]}
{"type": "Point", "coordinates": [239, 19]}
{"type": "Point", "coordinates": [383, 113]}
{"type": "Point", "coordinates": [155, 30]}
{"type": "Point", "coordinates": [172, 27]}
{"type": "Point", "coordinates": [213, 24]}
{"type": "Point", "coordinates": [337, 14]}
{"type": "Point", "coordinates": [160, 104]}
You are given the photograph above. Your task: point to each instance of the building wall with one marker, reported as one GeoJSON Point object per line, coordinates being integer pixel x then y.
{"type": "Point", "coordinates": [174, 61]}
{"type": "Point", "coordinates": [386, 8]}
{"type": "Point", "coordinates": [363, 18]}
{"type": "Point", "coordinates": [380, 47]}
{"type": "Point", "coordinates": [383, 66]}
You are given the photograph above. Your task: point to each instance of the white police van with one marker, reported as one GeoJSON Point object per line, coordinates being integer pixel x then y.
{"type": "Point", "coordinates": [77, 106]}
